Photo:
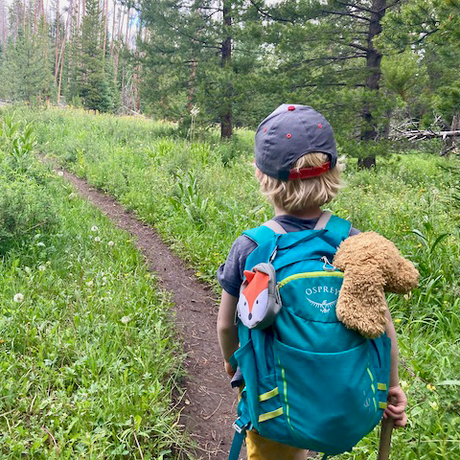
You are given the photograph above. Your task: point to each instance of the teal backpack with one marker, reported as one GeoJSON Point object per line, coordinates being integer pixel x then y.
{"type": "Point", "coordinates": [309, 381]}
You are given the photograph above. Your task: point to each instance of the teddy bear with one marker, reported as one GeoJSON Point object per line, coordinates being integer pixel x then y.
{"type": "Point", "coordinates": [371, 265]}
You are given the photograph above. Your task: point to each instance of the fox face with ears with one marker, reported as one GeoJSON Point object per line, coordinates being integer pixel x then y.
{"type": "Point", "coordinates": [257, 305]}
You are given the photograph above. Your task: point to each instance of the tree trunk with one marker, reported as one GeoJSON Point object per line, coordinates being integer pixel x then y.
{"type": "Point", "coordinates": [191, 88]}
{"type": "Point", "coordinates": [373, 62]}
{"type": "Point", "coordinates": [56, 66]}
{"type": "Point", "coordinates": [127, 28]}
{"type": "Point", "coordinates": [450, 142]}
{"type": "Point", "coordinates": [104, 9]}
{"type": "Point", "coordinates": [226, 120]}
{"type": "Point", "coordinates": [24, 18]}
{"type": "Point", "coordinates": [62, 55]}
{"type": "Point", "coordinates": [113, 27]}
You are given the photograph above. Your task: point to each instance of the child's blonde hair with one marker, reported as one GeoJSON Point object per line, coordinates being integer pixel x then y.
{"type": "Point", "coordinates": [297, 194]}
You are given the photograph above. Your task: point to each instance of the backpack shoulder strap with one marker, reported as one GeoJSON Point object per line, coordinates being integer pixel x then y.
{"type": "Point", "coordinates": [266, 240]}
{"type": "Point", "coordinates": [260, 235]}
{"type": "Point", "coordinates": [323, 220]}
{"type": "Point", "coordinates": [275, 226]}
{"type": "Point", "coordinates": [337, 229]}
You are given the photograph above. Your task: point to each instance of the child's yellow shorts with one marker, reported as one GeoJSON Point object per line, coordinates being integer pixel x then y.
{"type": "Point", "coordinates": [260, 448]}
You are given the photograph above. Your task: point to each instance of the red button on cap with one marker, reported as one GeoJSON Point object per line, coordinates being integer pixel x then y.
{"type": "Point", "coordinates": [291, 108]}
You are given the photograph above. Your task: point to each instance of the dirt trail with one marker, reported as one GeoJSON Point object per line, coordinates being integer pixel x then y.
{"type": "Point", "coordinates": [209, 407]}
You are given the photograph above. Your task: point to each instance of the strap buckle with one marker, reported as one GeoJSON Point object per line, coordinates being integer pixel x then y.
{"type": "Point", "coordinates": [241, 424]}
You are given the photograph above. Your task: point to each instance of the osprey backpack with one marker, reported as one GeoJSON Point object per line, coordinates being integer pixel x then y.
{"type": "Point", "coordinates": [309, 381]}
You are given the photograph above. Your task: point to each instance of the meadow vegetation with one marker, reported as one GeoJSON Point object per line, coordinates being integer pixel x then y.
{"type": "Point", "coordinates": [202, 195]}
{"type": "Point", "coordinates": [87, 358]}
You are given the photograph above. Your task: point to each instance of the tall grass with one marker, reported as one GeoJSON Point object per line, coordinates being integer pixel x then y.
{"type": "Point", "coordinates": [88, 361]}
{"type": "Point", "coordinates": [202, 195]}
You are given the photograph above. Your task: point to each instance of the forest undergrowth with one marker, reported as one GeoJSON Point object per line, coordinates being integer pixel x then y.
{"type": "Point", "coordinates": [202, 195]}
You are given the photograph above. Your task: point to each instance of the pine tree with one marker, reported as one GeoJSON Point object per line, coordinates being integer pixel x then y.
{"type": "Point", "coordinates": [27, 73]}
{"type": "Point", "coordinates": [93, 85]}
{"type": "Point", "coordinates": [192, 56]}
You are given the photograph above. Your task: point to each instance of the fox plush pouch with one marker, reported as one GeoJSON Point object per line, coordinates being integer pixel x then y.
{"type": "Point", "coordinates": [259, 300]}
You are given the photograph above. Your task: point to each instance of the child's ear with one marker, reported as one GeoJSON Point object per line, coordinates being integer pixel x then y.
{"type": "Point", "coordinates": [258, 173]}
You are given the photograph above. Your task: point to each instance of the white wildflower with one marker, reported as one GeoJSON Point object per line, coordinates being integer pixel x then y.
{"type": "Point", "coordinates": [97, 239]}
{"type": "Point", "coordinates": [60, 173]}
{"type": "Point", "coordinates": [434, 405]}
{"type": "Point", "coordinates": [42, 268]}
{"type": "Point", "coordinates": [110, 243]}
{"type": "Point", "coordinates": [195, 111]}
{"type": "Point", "coordinates": [126, 319]}
{"type": "Point", "coordinates": [94, 228]}
{"type": "Point", "coordinates": [18, 297]}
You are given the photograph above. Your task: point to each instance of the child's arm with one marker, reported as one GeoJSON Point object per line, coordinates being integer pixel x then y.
{"type": "Point", "coordinates": [227, 330]}
{"type": "Point", "coordinates": [397, 410]}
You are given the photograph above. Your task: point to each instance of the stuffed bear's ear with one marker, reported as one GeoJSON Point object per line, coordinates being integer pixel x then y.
{"type": "Point", "coordinates": [361, 305]}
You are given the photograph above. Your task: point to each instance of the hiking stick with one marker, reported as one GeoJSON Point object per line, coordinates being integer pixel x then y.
{"type": "Point", "coordinates": [385, 436]}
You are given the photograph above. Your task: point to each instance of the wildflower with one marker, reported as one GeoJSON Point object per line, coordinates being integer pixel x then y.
{"type": "Point", "coordinates": [60, 173]}
{"type": "Point", "coordinates": [397, 320]}
{"type": "Point", "coordinates": [94, 228]}
{"type": "Point", "coordinates": [125, 319]}
{"type": "Point", "coordinates": [89, 283]}
{"type": "Point", "coordinates": [110, 243]}
{"type": "Point", "coordinates": [42, 268]}
{"type": "Point", "coordinates": [195, 111]}
{"type": "Point", "coordinates": [18, 297]}
{"type": "Point", "coordinates": [434, 405]}
{"type": "Point", "coordinates": [97, 239]}
{"type": "Point", "coordinates": [431, 387]}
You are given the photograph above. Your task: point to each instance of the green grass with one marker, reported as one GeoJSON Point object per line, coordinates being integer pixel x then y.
{"type": "Point", "coordinates": [88, 356]}
{"type": "Point", "coordinates": [202, 195]}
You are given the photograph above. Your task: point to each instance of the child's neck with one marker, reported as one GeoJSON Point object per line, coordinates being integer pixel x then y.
{"type": "Point", "coordinates": [307, 213]}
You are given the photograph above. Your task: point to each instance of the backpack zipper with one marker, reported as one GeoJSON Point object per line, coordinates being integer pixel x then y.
{"type": "Point", "coordinates": [297, 276]}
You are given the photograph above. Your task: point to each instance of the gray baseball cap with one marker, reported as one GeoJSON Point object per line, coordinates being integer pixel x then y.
{"type": "Point", "coordinates": [288, 133]}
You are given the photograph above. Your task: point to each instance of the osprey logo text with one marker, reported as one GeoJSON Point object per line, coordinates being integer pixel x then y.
{"type": "Point", "coordinates": [324, 306]}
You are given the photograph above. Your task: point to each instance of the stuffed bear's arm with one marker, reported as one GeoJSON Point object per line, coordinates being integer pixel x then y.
{"type": "Point", "coordinates": [361, 304]}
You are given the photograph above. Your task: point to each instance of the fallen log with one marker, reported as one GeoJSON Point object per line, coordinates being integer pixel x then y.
{"type": "Point", "coordinates": [414, 135]}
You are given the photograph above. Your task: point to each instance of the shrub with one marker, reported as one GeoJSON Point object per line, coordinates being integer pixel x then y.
{"type": "Point", "coordinates": [26, 201]}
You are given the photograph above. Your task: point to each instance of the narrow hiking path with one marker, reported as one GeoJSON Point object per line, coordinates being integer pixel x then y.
{"type": "Point", "coordinates": [209, 403]}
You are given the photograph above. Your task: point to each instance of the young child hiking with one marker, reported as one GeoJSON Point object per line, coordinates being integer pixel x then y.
{"type": "Point", "coordinates": [290, 370]}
